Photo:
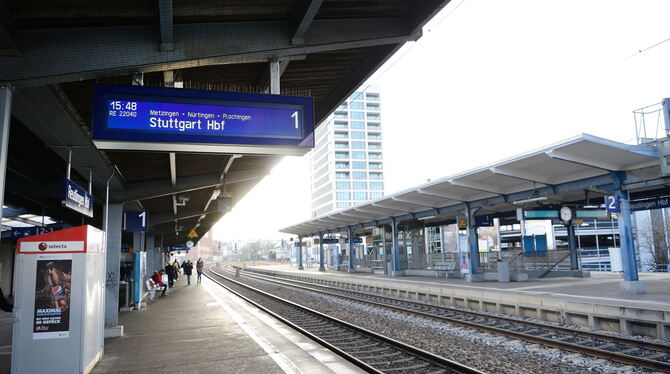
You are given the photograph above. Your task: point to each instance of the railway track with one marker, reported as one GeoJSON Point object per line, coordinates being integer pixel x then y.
{"type": "Point", "coordinates": [650, 355]}
{"type": "Point", "coordinates": [368, 350]}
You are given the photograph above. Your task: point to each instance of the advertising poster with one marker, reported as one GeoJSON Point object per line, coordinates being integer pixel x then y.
{"type": "Point", "coordinates": [52, 299]}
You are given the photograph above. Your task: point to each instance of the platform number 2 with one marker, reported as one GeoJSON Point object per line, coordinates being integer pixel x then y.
{"type": "Point", "coordinates": [612, 204]}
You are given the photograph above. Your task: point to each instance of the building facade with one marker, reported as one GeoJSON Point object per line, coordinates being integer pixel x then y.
{"type": "Point", "coordinates": [347, 163]}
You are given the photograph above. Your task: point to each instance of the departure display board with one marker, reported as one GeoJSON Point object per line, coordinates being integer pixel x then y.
{"type": "Point", "coordinates": [174, 120]}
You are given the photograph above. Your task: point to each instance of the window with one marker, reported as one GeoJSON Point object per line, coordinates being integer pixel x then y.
{"type": "Point", "coordinates": [375, 156]}
{"type": "Point", "coordinates": [341, 135]}
{"type": "Point", "coordinates": [358, 125]}
{"type": "Point", "coordinates": [343, 196]}
{"type": "Point", "coordinates": [360, 175]}
{"type": "Point", "coordinates": [376, 195]}
{"type": "Point", "coordinates": [360, 196]}
{"type": "Point", "coordinates": [356, 96]}
{"type": "Point", "coordinates": [357, 105]}
{"type": "Point", "coordinates": [341, 165]}
{"type": "Point", "coordinates": [358, 135]}
{"type": "Point", "coordinates": [361, 185]}
{"type": "Point", "coordinates": [358, 145]}
{"type": "Point", "coordinates": [340, 114]}
{"type": "Point", "coordinates": [343, 106]}
{"type": "Point", "coordinates": [343, 185]}
{"type": "Point", "coordinates": [373, 116]}
{"type": "Point", "coordinates": [373, 145]}
{"type": "Point", "coordinates": [342, 175]}
{"type": "Point", "coordinates": [341, 204]}
{"type": "Point", "coordinates": [341, 145]}
{"type": "Point", "coordinates": [373, 135]}
{"type": "Point", "coordinates": [371, 106]}
{"type": "Point", "coordinates": [375, 175]}
{"type": "Point", "coordinates": [374, 126]}
{"type": "Point", "coordinates": [359, 165]}
{"type": "Point", "coordinates": [372, 97]}
{"type": "Point", "coordinates": [357, 115]}
{"type": "Point", "coordinates": [377, 186]}
{"type": "Point", "coordinates": [375, 165]}
{"type": "Point", "coordinates": [341, 124]}
{"type": "Point", "coordinates": [358, 155]}
{"type": "Point", "coordinates": [341, 154]}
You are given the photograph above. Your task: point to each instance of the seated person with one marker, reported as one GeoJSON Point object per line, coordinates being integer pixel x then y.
{"type": "Point", "coordinates": [158, 279]}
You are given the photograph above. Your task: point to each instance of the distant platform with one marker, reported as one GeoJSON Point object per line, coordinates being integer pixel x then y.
{"type": "Point", "coordinates": [593, 302]}
{"type": "Point", "coordinates": [205, 329]}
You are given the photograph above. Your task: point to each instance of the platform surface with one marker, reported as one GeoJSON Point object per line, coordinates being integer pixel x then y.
{"type": "Point", "coordinates": [600, 288]}
{"type": "Point", "coordinates": [204, 329]}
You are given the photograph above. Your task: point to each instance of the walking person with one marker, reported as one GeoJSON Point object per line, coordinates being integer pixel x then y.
{"type": "Point", "coordinates": [169, 270]}
{"type": "Point", "coordinates": [198, 267]}
{"type": "Point", "coordinates": [188, 270]}
{"type": "Point", "coordinates": [175, 265]}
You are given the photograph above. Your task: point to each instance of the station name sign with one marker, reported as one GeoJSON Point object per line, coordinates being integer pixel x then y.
{"type": "Point", "coordinates": [77, 199]}
{"type": "Point", "coordinates": [181, 120]}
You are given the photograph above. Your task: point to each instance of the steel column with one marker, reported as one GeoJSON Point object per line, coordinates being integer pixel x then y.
{"type": "Point", "coordinates": [114, 216]}
{"type": "Point", "coordinates": [300, 267]}
{"type": "Point", "coordinates": [473, 242]}
{"type": "Point", "coordinates": [5, 119]}
{"type": "Point", "coordinates": [352, 255]}
{"type": "Point", "coordinates": [321, 265]}
{"type": "Point", "coordinates": [572, 246]}
{"type": "Point", "coordinates": [626, 236]}
{"type": "Point", "coordinates": [395, 249]}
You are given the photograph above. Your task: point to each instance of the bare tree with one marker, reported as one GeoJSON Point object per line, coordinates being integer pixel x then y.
{"type": "Point", "coordinates": [651, 238]}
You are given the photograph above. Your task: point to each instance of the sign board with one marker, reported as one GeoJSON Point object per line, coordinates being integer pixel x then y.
{"type": "Point", "coordinates": [585, 213]}
{"type": "Point", "coordinates": [51, 317]}
{"type": "Point", "coordinates": [541, 214]}
{"type": "Point", "coordinates": [179, 248]}
{"type": "Point", "coordinates": [192, 234]}
{"type": "Point", "coordinates": [462, 223]}
{"type": "Point", "coordinates": [650, 204]}
{"type": "Point", "coordinates": [20, 232]}
{"type": "Point", "coordinates": [181, 120]}
{"type": "Point", "coordinates": [612, 204]}
{"type": "Point", "coordinates": [77, 199]}
{"type": "Point", "coordinates": [484, 221]}
{"type": "Point", "coordinates": [136, 221]}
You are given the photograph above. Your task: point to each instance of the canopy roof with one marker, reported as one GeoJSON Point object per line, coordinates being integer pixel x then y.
{"type": "Point", "coordinates": [546, 172]}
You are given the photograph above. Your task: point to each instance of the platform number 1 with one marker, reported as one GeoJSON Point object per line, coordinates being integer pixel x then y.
{"type": "Point", "coordinates": [612, 204]}
{"type": "Point", "coordinates": [295, 116]}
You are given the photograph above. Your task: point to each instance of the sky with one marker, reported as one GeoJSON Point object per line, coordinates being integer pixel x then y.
{"type": "Point", "coordinates": [488, 80]}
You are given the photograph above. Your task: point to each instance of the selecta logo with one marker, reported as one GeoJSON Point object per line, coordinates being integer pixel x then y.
{"type": "Point", "coordinates": [42, 246]}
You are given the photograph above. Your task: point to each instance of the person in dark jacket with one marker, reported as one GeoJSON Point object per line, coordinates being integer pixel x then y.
{"type": "Point", "coordinates": [188, 270]}
{"type": "Point", "coordinates": [169, 270]}
{"type": "Point", "coordinates": [198, 268]}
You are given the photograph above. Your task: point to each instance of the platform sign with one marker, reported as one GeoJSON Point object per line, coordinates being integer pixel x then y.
{"type": "Point", "coordinates": [77, 199]}
{"type": "Point", "coordinates": [179, 248]}
{"type": "Point", "coordinates": [541, 214]}
{"type": "Point", "coordinates": [181, 120]}
{"type": "Point", "coordinates": [650, 204]}
{"type": "Point", "coordinates": [21, 232]}
{"type": "Point", "coordinates": [136, 221]}
{"type": "Point", "coordinates": [484, 221]}
{"type": "Point", "coordinates": [612, 204]}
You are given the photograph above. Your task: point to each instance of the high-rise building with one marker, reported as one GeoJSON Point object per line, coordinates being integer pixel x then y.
{"type": "Point", "coordinates": [347, 160]}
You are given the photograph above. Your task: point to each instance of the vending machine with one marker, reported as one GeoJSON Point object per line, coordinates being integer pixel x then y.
{"type": "Point", "coordinates": [58, 318]}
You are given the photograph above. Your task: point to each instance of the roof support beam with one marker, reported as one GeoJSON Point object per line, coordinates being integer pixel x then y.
{"type": "Point", "coordinates": [166, 27]}
{"type": "Point", "coordinates": [441, 195]}
{"type": "Point", "coordinates": [150, 190]}
{"type": "Point", "coordinates": [580, 161]}
{"type": "Point", "coordinates": [517, 175]}
{"type": "Point", "coordinates": [478, 187]}
{"type": "Point", "coordinates": [204, 44]}
{"type": "Point", "coordinates": [305, 19]}
{"type": "Point", "coordinates": [158, 218]}
{"type": "Point", "coordinates": [411, 201]}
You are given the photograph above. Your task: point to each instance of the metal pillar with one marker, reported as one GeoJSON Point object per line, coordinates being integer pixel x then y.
{"type": "Point", "coordinates": [630, 282]}
{"type": "Point", "coordinates": [5, 119]}
{"type": "Point", "coordinates": [352, 255]}
{"type": "Point", "coordinates": [114, 216]}
{"type": "Point", "coordinates": [395, 249]}
{"type": "Point", "coordinates": [275, 76]}
{"type": "Point", "coordinates": [338, 259]}
{"type": "Point", "coordinates": [321, 265]}
{"type": "Point", "coordinates": [153, 262]}
{"type": "Point", "coordinates": [300, 267]}
{"type": "Point", "coordinates": [473, 243]}
{"type": "Point", "coordinates": [572, 246]}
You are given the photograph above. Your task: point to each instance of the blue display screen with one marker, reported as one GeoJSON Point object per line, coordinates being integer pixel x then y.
{"type": "Point", "coordinates": [133, 113]}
